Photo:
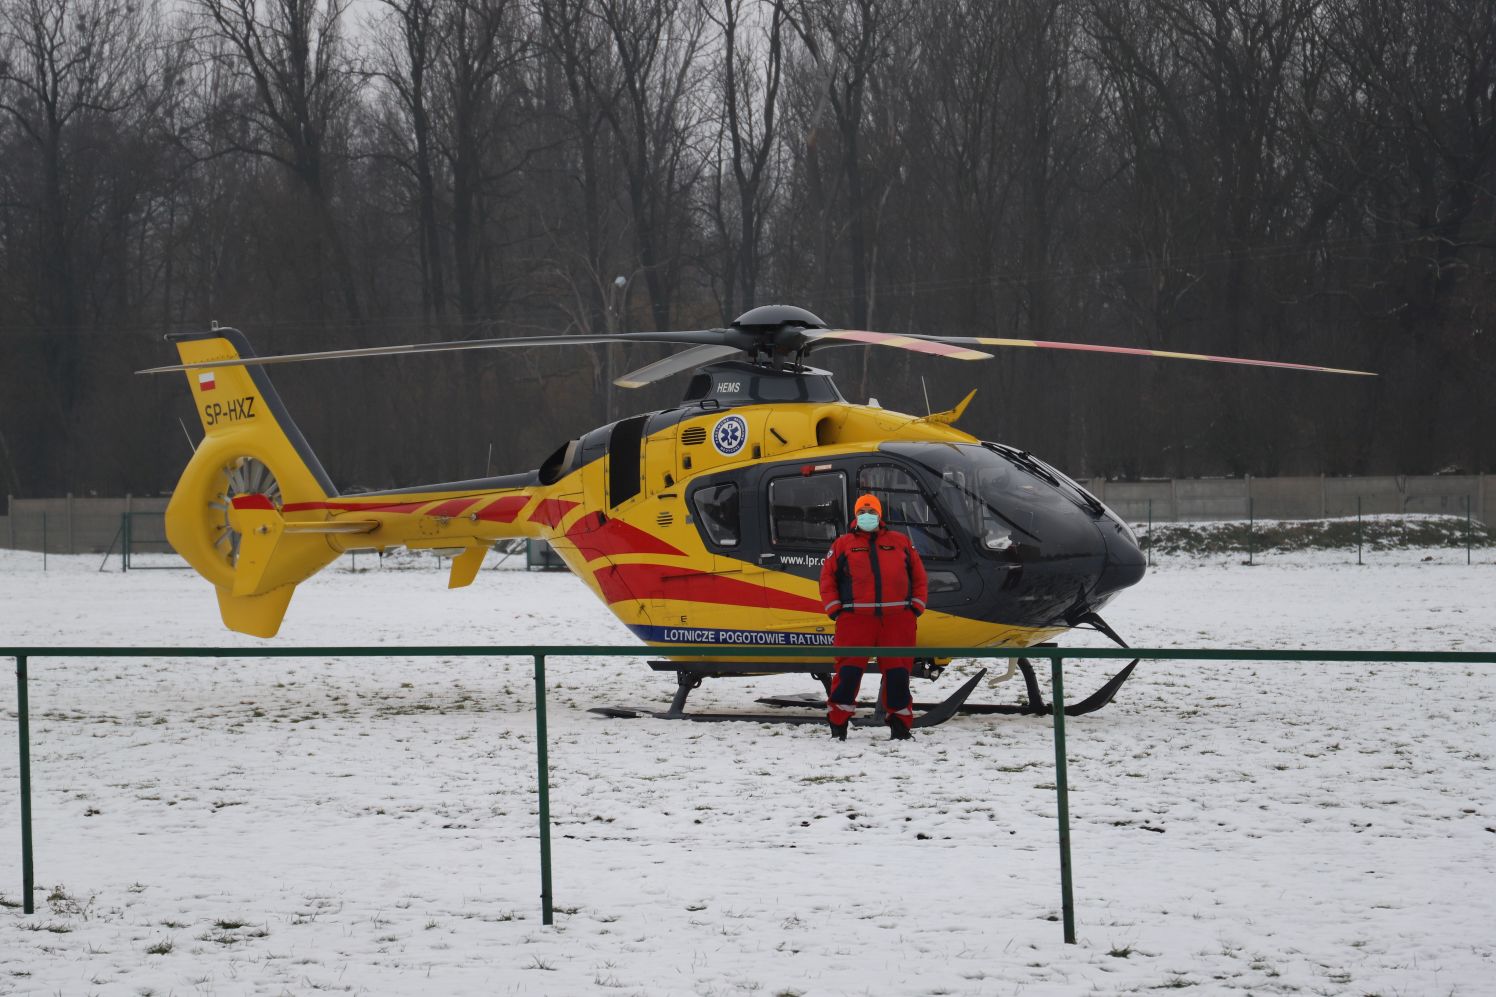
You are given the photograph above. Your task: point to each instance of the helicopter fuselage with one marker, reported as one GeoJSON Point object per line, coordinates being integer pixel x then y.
{"type": "Point", "coordinates": [707, 523]}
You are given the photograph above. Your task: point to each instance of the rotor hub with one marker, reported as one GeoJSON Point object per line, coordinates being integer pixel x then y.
{"type": "Point", "coordinates": [777, 333]}
{"type": "Point", "coordinates": [776, 317]}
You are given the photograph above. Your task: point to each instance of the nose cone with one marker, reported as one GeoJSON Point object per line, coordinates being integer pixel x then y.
{"type": "Point", "coordinates": [1080, 566]}
{"type": "Point", "coordinates": [1125, 563]}
{"type": "Point", "coordinates": [1046, 551]}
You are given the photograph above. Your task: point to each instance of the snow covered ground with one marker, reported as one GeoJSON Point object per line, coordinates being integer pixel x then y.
{"type": "Point", "coordinates": [369, 826]}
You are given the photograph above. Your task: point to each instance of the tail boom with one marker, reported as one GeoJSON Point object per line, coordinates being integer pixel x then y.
{"type": "Point", "coordinates": [255, 513]}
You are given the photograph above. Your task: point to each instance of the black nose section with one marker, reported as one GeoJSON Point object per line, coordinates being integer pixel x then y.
{"type": "Point", "coordinates": [1125, 563]}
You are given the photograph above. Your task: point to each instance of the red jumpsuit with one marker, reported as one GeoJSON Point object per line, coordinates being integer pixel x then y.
{"type": "Point", "coordinates": [873, 585]}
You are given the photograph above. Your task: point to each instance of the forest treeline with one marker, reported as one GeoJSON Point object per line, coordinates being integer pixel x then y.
{"type": "Point", "coordinates": [1302, 180]}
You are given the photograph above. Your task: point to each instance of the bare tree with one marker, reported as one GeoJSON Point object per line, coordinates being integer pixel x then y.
{"type": "Point", "coordinates": [298, 87]}
{"type": "Point", "coordinates": [408, 42]}
{"type": "Point", "coordinates": [751, 70]}
{"type": "Point", "coordinates": [650, 105]}
{"type": "Point", "coordinates": [66, 65]}
{"type": "Point", "coordinates": [850, 41]}
{"type": "Point", "coordinates": [481, 42]}
{"type": "Point", "coordinates": [1298, 179]}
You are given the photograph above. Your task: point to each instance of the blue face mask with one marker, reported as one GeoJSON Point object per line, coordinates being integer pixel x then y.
{"type": "Point", "coordinates": [867, 521]}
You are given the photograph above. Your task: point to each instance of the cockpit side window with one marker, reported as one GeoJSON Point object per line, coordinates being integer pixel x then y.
{"type": "Point", "coordinates": [907, 509]}
{"type": "Point", "coordinates": [718, 513]}
{"type": "Point", "coordinates": [1003, 502]}
{"type": "Point", "coordinates": [807, 511]}
{"type": "Point", "coordinates": [962, 490]}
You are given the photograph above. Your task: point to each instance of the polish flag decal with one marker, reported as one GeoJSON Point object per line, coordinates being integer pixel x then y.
{"type": "Point", "coordinates": [205, 381]}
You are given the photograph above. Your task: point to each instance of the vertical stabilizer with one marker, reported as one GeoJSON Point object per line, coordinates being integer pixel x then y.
{"type": "Point", "coordinates": [225, 514]}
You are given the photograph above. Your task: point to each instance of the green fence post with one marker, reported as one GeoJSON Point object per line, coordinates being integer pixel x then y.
{"type": "Point", "coordinates": [1467, 529]}
{"type": "Point", "coordinates": [127, 543]}
{"type": "Point", "coordinates": [1358, 529]}
{"type": "Point", "coordinates": [1062, 795]}
{"type": "Point", "coordinates": [1150, 533]}
{"type": "Point", "coordinates": [543, 764]}
{"type": "Point", "coordinates": [1251, 522]}
{"type": "Point", "coordinates": [23, 728]}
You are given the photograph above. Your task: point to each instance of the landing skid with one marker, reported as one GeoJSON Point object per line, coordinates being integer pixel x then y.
{"type": "Point", "coordinates": [935, 713]}
{"type": "Point", "coordinates": [1035, 705]}
{"type": "Point", "coordinates": [690, 674]}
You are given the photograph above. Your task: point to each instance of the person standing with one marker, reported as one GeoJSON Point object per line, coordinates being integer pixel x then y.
{"type": "Point", "coordinates": [873, 586]}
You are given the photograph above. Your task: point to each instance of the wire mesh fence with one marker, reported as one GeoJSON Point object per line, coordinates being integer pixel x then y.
{"type": "Point", "coordinates": [1226, 517]}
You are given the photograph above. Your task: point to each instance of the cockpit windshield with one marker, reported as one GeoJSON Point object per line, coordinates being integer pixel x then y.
{"type": "Point", "coordinates": [1000, 498]}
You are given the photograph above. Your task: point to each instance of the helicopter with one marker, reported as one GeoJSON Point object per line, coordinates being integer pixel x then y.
{"type": "Point", "coordinates": [704, 524]}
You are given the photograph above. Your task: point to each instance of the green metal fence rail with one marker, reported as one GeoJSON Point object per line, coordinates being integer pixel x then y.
{"type": "Point", "coordinates": [539, 654]}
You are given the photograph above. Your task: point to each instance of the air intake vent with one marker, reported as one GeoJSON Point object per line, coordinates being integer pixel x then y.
{"type": "Point", "coordinates": [665, 518]}
{"type": "Point", "coordinates": [692, 436]}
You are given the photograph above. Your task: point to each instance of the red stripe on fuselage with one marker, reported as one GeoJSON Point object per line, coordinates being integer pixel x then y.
{"type": "Point", "coordinates": [614, 536]}
{"type": "Point", "coordinates": [451, 507]}
{"type": "Point", "coordinates": [253, 502]}
{"type": "Point", "coordinates": [552, 511]}
{"type": "Point", "coordinates": [504, 510]}
{"type": "Point", "coordinates": [626, 582]}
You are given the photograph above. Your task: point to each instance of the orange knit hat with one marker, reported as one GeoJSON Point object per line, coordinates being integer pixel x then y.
{"type": "Point", "coordinates": [868, 503]}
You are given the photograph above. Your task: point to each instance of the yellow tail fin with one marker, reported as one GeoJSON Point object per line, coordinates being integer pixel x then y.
{"type": "Point", "coordinates": [225, 514]}
{"type": "Point", "coordinates": [949, 416]}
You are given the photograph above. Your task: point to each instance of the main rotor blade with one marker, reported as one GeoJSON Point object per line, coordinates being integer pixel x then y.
{"type": "Point", "coordinates": [916, 344]}
{"type": "Point", "coordinates": [714, 337]}
{"type": "Point", "coordinates": [690, 359]}
{"type": "Point", "coordinates": [1134, 351]}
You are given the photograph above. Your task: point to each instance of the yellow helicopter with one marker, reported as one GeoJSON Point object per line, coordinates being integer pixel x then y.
{"type": "Point", "coordinates": [702, 524]}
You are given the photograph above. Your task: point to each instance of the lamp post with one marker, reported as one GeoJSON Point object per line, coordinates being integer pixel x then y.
{"type": "Point", "coordinates": [617, 314]}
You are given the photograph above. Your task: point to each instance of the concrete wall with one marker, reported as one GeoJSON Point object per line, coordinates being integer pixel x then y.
{"type": "Point", "coordinates": [1193, 500]}
{"type": "Point", "coordinates": [89, 525]}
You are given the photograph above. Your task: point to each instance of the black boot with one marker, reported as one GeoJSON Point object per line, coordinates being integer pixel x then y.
{"type": "Point", "coordinates": [897, 731]}
{"type": "Point", "coordinates": [838, 731]}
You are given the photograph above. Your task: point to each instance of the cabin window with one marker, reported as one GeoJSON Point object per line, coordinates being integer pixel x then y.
{"type": "Point", "coordinates": [717, 512]}
{"type": "Point", "coordinates": [780, 389]}
{"type": "Point", "coordinates": [807, 511]}
{"type": "Point", "coordinates": [907, 509]}
{"type": "Point", "coordinates": [623, 459]}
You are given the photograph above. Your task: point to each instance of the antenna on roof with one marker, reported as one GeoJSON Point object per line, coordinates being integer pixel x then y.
{"type": "Point", "coordinates": [188, 435]}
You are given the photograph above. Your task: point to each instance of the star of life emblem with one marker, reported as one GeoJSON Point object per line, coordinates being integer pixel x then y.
{"type": "Point", "coordinates": [729, 435]}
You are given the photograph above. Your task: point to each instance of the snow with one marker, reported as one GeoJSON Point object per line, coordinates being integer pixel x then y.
{"type": "Point", "coordinates": [271, 826]}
